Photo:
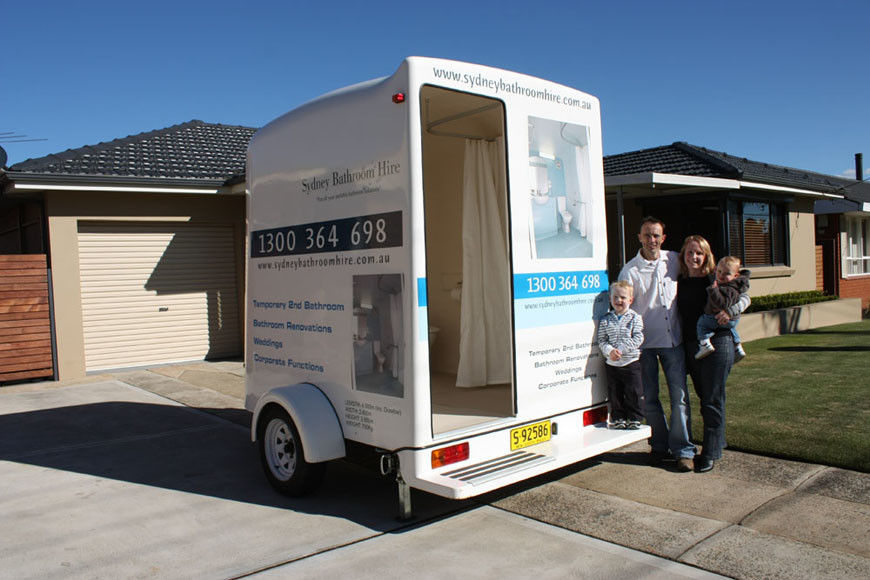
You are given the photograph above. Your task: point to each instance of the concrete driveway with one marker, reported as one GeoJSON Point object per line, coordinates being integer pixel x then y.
{"type": "Point", "coordinates": [104, 479]}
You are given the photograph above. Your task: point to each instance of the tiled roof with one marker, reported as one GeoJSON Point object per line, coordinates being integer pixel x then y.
{"type": "Point", "coordinates": [667, 159]}
{"type": "Point", "coordinates": [685, 159]}
{"type": "Point", "coordinates": [193, 150]}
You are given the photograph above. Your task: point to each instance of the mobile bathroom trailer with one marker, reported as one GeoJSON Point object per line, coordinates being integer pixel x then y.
{"type": "Point", "coordinates": [427, 267]}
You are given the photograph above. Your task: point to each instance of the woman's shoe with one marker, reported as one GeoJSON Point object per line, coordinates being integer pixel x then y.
{"type": "Point", "coordinates": [704, 464]}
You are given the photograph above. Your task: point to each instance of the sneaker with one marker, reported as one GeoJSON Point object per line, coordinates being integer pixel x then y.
{"type": "Point", "coordinates": [705, 349]}
{"type": "Point", "coordinates": [739, 353]}
{"type": "Point", "coordinates": [685, 464]}
{"type": "Point", "coordinates": [633, 425]}
{"type": "Point", "coordinates": [618, 424]}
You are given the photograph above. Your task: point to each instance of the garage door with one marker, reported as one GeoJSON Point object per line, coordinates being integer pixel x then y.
{"type": "Point", "coordinates": [157, 293]}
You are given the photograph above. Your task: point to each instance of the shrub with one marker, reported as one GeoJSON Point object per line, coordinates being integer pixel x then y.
{"type": "Point", "coordinates": [776, 301]}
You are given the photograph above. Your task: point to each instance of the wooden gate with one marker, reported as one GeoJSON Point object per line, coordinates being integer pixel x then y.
{"type": "Point", "coordinates": [25, 321]}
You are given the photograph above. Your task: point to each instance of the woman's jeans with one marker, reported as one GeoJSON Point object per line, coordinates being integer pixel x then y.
{"type": "Point", "coordinates": [709, 376]}
{"type": "Point", "coordinates": [676, 439]}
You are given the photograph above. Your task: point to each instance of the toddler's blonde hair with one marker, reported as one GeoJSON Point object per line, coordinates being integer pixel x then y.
{"type": "Point", "coordinates": [733, 263]}
{"type": "Point", "coordinates": [622, 284]}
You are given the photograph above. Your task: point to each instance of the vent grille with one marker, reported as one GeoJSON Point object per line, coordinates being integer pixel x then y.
{"type": "Point", "coordinates": [498, 467]}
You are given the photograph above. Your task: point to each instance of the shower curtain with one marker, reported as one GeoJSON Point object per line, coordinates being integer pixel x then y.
{"type": "Point", "coordinates": [582, 171]}
{"type": "Point", "coordinates": [485, 333]}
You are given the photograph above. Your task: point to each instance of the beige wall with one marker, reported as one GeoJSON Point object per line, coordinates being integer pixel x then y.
{"type": "Point", "coordinates": [63, 212]}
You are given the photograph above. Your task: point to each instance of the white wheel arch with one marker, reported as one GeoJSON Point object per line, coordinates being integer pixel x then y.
{"type": "Point", "coordinates": [314, 416]}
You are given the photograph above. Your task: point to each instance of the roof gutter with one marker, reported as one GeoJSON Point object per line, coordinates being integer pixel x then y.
{"type": "Point", "coordinates": [29, 182]}
{"type": "Point", "coordinates": [653, 180]}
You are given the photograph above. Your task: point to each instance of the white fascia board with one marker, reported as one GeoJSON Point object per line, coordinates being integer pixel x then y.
{"type": "Point", "coordinates": [139, 189]}
{"type": "Point", "coordinates": [670, 179]}
{"type": "Point", "coordinates": [654, 179]}
{"type": "Point", "coordinates": [783, 189]}
{"type": "Point", "coordinates": [694, 181]}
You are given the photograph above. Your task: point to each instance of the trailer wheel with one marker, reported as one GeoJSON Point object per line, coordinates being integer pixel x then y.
{"type": "Point", "coordinates": [282, 456]}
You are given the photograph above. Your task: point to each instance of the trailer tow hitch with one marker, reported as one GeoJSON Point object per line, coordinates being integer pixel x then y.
{"type": "Point", "coordinates": [390, 464]}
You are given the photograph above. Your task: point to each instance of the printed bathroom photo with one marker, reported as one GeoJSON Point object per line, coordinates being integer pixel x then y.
{"type": "Point", "coordinates": [560, 189]}
{"type": "Point", "coordinates": [378, 357]}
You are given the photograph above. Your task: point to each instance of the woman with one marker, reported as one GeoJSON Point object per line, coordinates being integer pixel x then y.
{"type": "Point", "coordinates": [709, 374]}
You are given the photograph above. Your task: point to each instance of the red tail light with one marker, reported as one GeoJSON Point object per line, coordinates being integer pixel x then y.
{"type": "Point", "coordinates": [596, 415]}
{"type": "Point", "coordinates": [448, 455]}
{"type": "Point", "coordinates": [399, 98]}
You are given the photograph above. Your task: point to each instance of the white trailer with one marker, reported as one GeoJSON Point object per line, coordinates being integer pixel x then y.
{"type": "Point", "coordinates": [427, 267]}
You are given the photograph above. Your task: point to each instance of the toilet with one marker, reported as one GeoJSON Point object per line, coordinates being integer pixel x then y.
{"type": "Point", "coordinates": [562, 205]}
{"type": "Point", "coordinates": [380, 357]}
{"type": "Point", "coordinates": [433, 334]}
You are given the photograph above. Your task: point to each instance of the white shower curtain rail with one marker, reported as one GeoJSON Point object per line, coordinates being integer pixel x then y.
{"type": "Point", "coordinates": [430, 125]}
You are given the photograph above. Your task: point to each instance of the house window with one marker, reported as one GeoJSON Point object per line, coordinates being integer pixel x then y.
{"type": "Point", "coordinates": [757, 232]}
{"type": "Point", "coordinates": [856, 258]}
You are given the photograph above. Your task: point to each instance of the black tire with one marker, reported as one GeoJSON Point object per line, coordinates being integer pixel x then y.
{"type": "Point", "coordinates": [282, 456]}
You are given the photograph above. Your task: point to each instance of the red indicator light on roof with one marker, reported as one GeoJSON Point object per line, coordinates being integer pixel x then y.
{"type": "Point", "coordinates": [399, 98]}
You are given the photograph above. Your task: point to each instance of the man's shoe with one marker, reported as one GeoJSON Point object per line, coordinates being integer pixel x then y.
{"type": "Point", "coordinates": [633, 425]}
{"type": "Point", "coordinates": [656, 458]}
{"type": "Point", "coordinates": [685, 464]}
{"type": "Point", "coordinates": [704, 464]}
{"type": "Point", "coordinates": [618, 424]}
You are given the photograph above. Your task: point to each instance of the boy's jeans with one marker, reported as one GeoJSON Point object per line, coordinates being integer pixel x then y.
{"type": "Point", "coordinates": [708, 325]}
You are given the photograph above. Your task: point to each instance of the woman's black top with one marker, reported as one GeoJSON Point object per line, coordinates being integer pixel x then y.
{"type": "Point", "coordinates": [691, 298]}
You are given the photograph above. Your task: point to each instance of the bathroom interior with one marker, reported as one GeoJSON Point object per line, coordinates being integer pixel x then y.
{"type": "Point", "coordinates": [560, 186]}
{"type": "Point", "coordinates": [377, 334]}
{"type": "Point", "coordinates": [451, 120]}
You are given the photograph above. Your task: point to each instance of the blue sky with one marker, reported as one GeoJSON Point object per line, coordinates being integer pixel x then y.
{"type": "Point", "coordinates": [775, 81]}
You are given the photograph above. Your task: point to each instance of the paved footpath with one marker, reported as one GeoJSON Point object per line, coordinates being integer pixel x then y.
{"type": "Point", "coordinates": [150, 473]}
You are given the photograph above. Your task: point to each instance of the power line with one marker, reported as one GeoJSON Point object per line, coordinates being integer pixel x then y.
{"type": "Point", "coordinates": [13, 137]}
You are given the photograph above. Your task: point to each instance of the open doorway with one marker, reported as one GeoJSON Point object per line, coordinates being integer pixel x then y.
{"type": "Point", "coordinates": [467, 259]}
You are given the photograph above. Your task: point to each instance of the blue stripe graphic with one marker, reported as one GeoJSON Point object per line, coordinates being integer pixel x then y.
{"type": "Point", "coordinates": [550, 284]}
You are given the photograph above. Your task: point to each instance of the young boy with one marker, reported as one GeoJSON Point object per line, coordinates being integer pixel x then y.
{"type": "Point", "coordinates": [620, 334]}
{"type": "Point", "coordinates": [725, 291]}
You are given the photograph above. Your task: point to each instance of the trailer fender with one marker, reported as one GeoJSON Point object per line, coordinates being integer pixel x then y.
{"type": "Point", "coordinates": [314, 416]}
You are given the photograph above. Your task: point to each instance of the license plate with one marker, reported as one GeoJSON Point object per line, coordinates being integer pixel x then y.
{"type": "Point", "coordinates": [530, 435]}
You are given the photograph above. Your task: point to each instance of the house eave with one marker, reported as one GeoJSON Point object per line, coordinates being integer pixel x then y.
{"type": "Point", "coordinates": [675, 183]}
{"type": "Point", "coordinates": [653, 180]}
{"type": "Point", "coordinates": [22, 182]}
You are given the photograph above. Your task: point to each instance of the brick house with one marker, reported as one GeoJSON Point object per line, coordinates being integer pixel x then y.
{"type": "Point", "coordinates": [843, 242]}
{"type": "Point", "coordinates": [763, 213]}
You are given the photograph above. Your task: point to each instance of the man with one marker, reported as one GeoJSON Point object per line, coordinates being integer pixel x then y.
{"type": "Point", "coordinates": [653, 273]}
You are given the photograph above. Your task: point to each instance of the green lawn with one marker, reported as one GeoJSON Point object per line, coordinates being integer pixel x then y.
{"type": "Point", "coordinates": [802, 396]}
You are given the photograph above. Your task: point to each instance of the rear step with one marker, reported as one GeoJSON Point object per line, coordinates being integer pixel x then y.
{"type": "Point", "coordinates": [498, 467]}
{"type": "Point", "coordinates": [573, 443]}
